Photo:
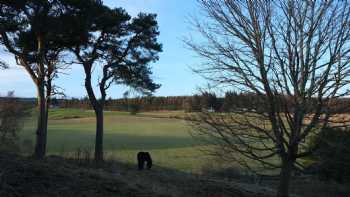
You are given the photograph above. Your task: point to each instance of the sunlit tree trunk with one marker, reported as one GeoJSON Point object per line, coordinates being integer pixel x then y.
{"type": "Point", "coordinates": [41, 133]}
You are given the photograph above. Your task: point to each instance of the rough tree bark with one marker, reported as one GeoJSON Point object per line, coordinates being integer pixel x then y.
{"type": "Point", "coordinates": [285, 176]}
{"type": "Point", "coordinates": [44, 93]}
{"type": "Point", "coordinates": [98, 109]}
{"type": "Point", "coordinates": [41, 133]}
{"type": "Point", "coordinates": [99, 135]}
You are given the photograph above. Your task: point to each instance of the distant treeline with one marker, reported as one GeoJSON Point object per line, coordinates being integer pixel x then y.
{"type": "Point", "coordinates": [198, 102]}
{"type": "Point", "coordinates": [126, 104]}
{"type": "Point", "coordinates": [27, 102]}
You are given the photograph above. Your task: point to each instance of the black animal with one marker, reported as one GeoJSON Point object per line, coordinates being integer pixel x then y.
{"type": "Point", "coordinates": [142, 158]}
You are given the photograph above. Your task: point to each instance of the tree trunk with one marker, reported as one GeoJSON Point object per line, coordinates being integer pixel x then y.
{"type": "Point", "coordinates": [98, 108]}
{"type": "Point", "coordinates": [41, 133]}
{"type": "Point", "coordinates": [285, 175]}
{"type": "Point", "coordinates": [99, 135]}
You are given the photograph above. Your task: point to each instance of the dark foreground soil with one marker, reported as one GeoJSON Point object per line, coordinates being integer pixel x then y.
{"type": "Point", "coordinates": [58, 177]}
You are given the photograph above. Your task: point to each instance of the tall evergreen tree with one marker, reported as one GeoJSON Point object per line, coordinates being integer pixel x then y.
{"type": "Point", "coordinates": [121, 48]}
{"type": "Point", "coordinates": [35, 33]}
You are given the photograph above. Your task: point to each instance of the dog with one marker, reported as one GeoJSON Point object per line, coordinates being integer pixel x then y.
{"type": "Point", "coordinates": [142, 158]}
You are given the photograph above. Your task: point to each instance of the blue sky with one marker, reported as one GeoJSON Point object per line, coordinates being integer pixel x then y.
{"type": "Point", "coordinates": [172, 71]}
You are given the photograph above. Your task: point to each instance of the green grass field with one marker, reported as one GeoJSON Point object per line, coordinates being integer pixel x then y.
{"type": "Point", "coordinates": [166, 138]}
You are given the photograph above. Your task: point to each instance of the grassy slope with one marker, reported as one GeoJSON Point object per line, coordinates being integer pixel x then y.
{"type": "Point", "coordinates": [54, 176]}
{"type": "Point", "coordinates": [166, 138]}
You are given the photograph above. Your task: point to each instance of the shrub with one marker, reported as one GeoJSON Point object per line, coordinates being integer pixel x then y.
{"type": "Point", "coordinates": [332, 155]}
{"type": "Point", "coordinates": [12, 113]}
{"type": "Point", "coordinates": [134, 109]}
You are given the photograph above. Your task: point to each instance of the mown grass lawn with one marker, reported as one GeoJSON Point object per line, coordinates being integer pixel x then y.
{"type": "Point", "coordinates": [167, 139]}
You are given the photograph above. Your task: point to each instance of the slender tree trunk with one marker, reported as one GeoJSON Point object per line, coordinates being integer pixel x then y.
{"type": "Point", "coordinates": [98, 108]}
{"type": "Point", "coordinates": [41, 133]}
{"type": "Point", "coordinates": [99, 135]}
{"type": "Point", "coordinates": [47, 100]}
{"type": "Point", "coordinates": [285, 176]}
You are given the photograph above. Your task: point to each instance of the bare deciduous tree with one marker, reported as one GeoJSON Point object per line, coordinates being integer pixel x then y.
{"type": "Point", "coordinates": [293, 55]}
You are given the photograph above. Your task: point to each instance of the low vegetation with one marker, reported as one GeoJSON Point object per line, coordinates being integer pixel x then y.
{"type": "Point", "coordinates": [331, 160]}
{"type": "Point", "coordinates": [12, 114]}
{"type": "Point", "coordinates": [21, 176]}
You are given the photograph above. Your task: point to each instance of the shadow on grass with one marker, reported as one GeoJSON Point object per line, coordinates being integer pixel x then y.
{"type": "Point", "coordinates": [168, 181]}
{"type": "Point", "coordinates": [70, 141]}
